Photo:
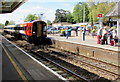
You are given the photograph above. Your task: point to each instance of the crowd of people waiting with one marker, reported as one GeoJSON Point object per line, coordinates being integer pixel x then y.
{"type": "Point", "coordinates": [103, 34]}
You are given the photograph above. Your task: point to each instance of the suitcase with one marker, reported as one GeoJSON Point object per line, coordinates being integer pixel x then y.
{"type": "Point", "coordinates": [112, 42]}
{"type": "Point", "coordinates": [102, 41]}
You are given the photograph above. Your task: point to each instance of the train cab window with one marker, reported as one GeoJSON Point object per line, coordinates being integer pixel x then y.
{"type": "Point", "coordinates": [44, 28]}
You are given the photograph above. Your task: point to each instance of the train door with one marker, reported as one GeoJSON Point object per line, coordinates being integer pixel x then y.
{"type": "Point", "coordinates": [39, 29]}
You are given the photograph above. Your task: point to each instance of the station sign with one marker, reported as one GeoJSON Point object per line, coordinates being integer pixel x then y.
{"type": "Point", "coordinates": [99, 15]}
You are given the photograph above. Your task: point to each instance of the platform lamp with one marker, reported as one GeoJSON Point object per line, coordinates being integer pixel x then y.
{"type": "Point", "coordinates": [41, 15]}
{"type": "Point", "coordinates": [38, 16]}
{"type": "Point", "coordinates": [83, 11]}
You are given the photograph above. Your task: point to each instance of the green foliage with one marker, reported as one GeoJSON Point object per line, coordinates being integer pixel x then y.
{"type": "Point", "coordinates": [48, 22]}
{"type": "Point", "coordinates": [69, 17]}
{"type": "Point", "coordinates": [11, 22]}
{"type": "Point", "coordinates": [88, 11]}
{"type": "Point", "coordinates": [63, 16]}
{"type": "Point", "coordinates": [30, 17]}
{"type": "Point", "coordinates": [79, 11]}
{"type": "Point", "coordinates": [100, 8]}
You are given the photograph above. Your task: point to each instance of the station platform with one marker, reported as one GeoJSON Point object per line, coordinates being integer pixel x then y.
{"type": "Point", "coordinates": [89, 41]}
{"type": "Point", "coordinates": [8, 70]}
{"type": "Point", "coordinates": [18, 65]}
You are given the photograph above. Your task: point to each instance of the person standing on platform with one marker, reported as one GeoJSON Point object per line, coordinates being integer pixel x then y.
{"type": "Point", "coordinates": [83, 33]}
{"type": "Point", "coordinates": [94, 31]}
{"type": "Point", "coordinates": [76, 30]}
{"type": "Point", "coordinates": [111, 41]}
{"type": "Point", "coordinates": [105, 35]}
{"type": "Point", "coordinates": [66, 33]}
{"type": "Point", "coordinates": [115, 37]}
{"type": "Point", "coordinates": [99, 35]}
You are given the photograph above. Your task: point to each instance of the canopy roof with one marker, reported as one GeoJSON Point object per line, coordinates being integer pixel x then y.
{"type": "Point", "coordinates": [8, 6]}
{"type": "Point", "coordinates": [115, 12]}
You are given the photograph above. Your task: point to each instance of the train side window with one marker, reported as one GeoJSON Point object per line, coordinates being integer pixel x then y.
{"type": "Point", "coordinates": [24, 28]}
{"type": "Point", "coordinates": [21, 28]}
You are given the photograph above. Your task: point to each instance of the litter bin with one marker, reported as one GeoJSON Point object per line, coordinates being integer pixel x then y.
{"type": "Point", "coordinates": [73, 33]}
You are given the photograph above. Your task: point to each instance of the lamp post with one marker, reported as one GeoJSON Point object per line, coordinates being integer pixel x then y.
{"type": "Point", "coordinates": [39, 16]}
{"type": "Point", "coordinates": [83, 11]}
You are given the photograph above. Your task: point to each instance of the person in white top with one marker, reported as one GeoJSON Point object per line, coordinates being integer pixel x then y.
{"type": "Point", "coordinates": [99, 35]}
{"type": "Point", "coordinates": [105, 35]}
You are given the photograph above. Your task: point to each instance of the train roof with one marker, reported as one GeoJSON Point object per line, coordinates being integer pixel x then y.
{"type": "Point", "coordinates": [30, 22]}
{"type": "Point", "coordinates": [23, 23]}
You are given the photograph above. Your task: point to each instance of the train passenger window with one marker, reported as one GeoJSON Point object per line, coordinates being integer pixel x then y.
{"type": "Point", "coordinates": [21, 28]}
{"type": "Point", "coordinates": [24, 28]}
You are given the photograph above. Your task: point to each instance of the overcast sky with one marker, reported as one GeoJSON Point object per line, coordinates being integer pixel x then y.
{"type": "Point", "coordinates": [47, 7]}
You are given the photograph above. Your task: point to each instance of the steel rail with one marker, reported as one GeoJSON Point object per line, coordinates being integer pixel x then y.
{"type": "Point", "coordinates": [86, 80]}
{"type": "Point", "coordinates": [74, 57]}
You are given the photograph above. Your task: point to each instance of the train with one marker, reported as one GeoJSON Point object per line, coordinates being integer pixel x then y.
{"type": "Point", "coordinates": [32, 31]}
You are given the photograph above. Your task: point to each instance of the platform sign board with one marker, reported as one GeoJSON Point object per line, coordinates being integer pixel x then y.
{"type": "Point", "coordinates": [99, 15]}
{"type": "Point", "coordinates": [100, 20]}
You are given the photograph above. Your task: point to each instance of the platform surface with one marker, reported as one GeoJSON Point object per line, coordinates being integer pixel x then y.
{"type": "Point", "coordinates": [36, 70]}
{"type": "Point", "coordinates": [8, 70]}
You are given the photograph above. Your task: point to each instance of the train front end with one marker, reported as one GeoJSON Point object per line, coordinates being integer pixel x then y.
{"type": "Point", "coordinates": [39, 31]}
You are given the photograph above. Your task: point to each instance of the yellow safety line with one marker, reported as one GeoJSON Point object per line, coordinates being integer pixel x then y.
{"type": "Point", "coordinates": [15, 65]}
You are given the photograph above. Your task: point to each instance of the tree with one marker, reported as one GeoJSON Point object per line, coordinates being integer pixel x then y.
{"type": "Point", "coordinates": [62, 16]}
{"type": "Point", "coordinates": [31, 17]}
{"type": "Point", "coordinates": [11, 22]}
{"type": "Point", "coordinates": [69, 17]}
{"type": "Point", "coordinates": [48, 22]}
{"type": "Point", "coordinates": [99, 8]}
{"type": "Point", "coordinates": [6, 23]}
{"type": "Point", "coordinates": [80, 10]}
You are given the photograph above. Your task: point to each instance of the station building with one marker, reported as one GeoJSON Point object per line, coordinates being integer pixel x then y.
{"type": "Point", "coordinates": [114, 15]}
{"type": "Point", "coordinates": [114, 18]}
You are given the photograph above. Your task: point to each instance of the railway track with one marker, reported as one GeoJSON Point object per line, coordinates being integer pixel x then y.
{"type": "Point", "coordinates": [66, 73]}
{"type": "Point", "coordinates": [72, 73]}
{"type": "Point", "coordinates": [81, 60]}
{"type": "Point", "coordinates": [74, 59]}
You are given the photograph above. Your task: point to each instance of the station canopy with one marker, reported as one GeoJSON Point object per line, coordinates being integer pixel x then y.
{"type": "Point", "coordinates": [115, 12]}
{"type": "Point", "coordinates": [8, 6]}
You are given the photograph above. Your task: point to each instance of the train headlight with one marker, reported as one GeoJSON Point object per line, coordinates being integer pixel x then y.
{"type": "Point", "coordinates": [33, 32]}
